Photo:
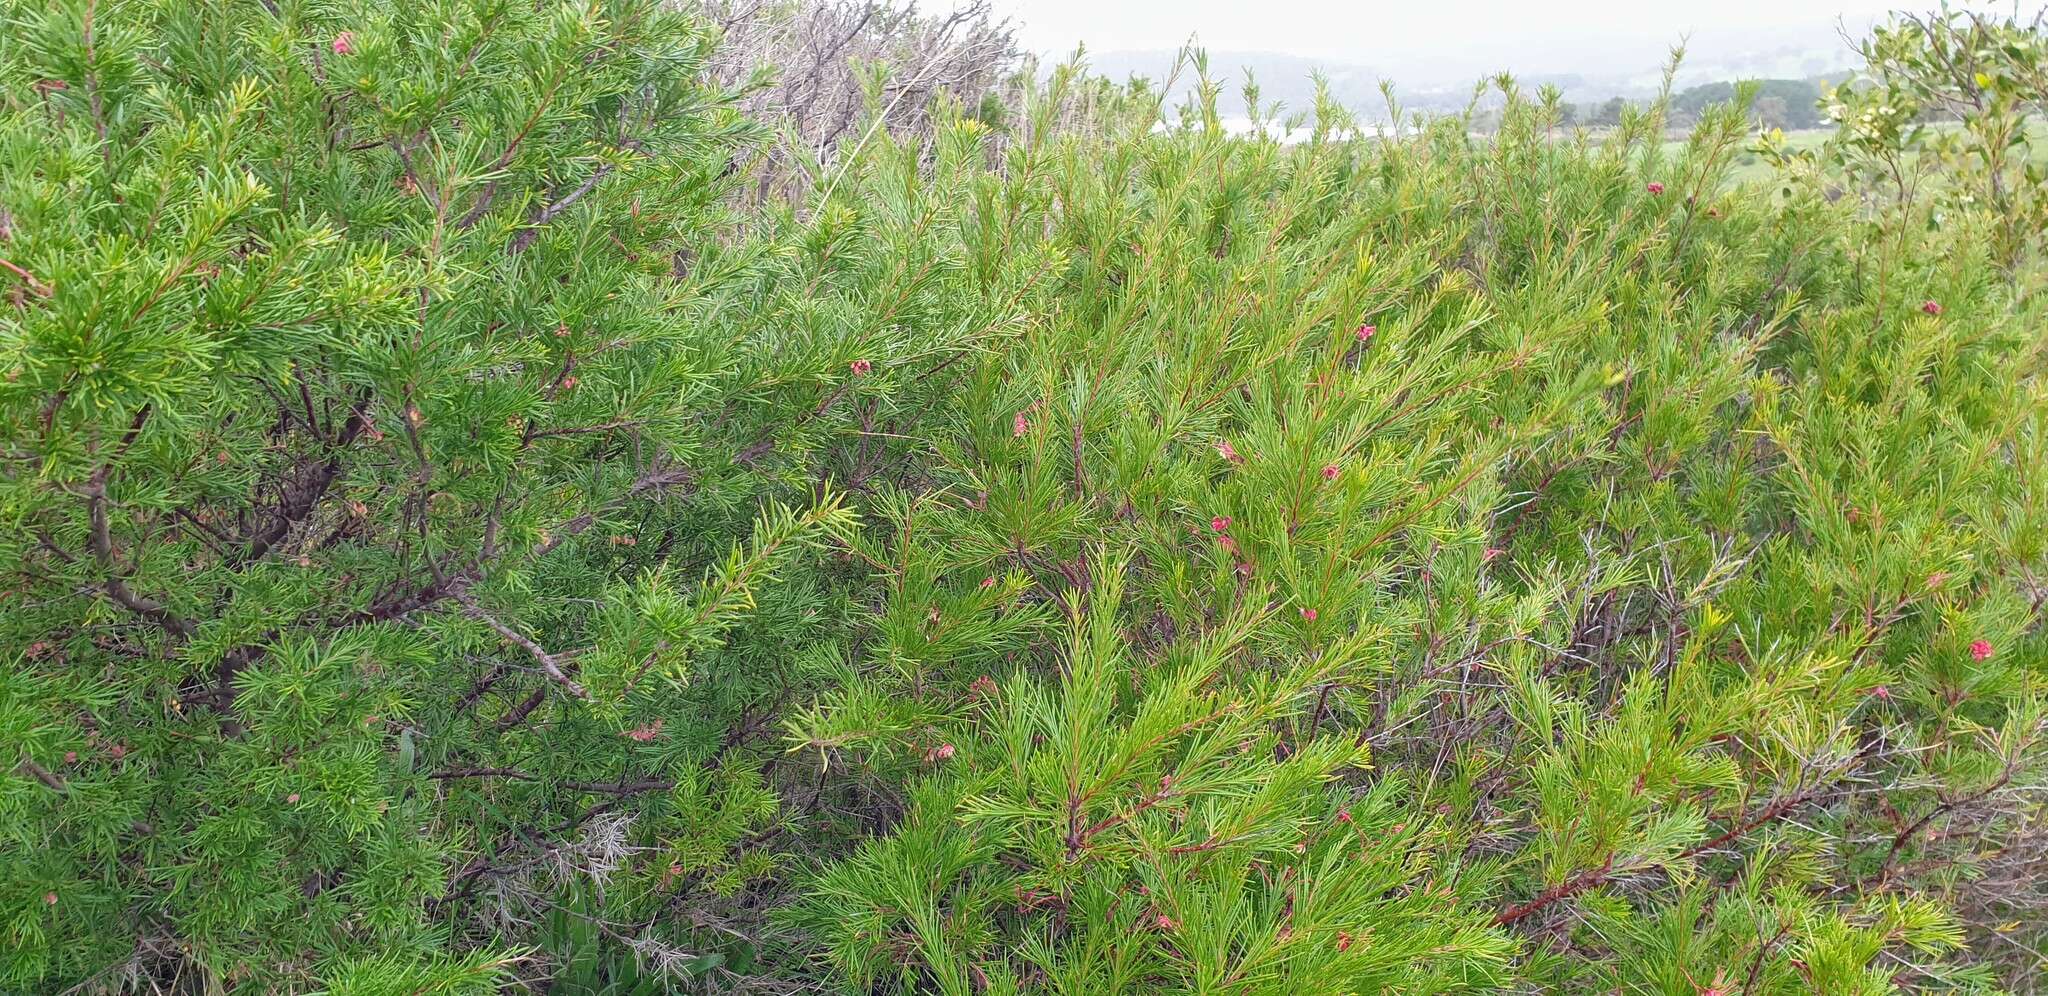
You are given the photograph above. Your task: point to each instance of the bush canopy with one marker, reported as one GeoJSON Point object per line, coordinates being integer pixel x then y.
{"type": "Point", "coordinates": [459, 537]}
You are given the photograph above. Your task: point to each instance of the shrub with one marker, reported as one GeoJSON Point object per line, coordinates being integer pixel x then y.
{"type": "Point", "coordinates": [346, 339]}
{"type": "Point", "coordinates": [836, 68]}
{"type": "Point", "coordinates": [456, 550]}
{"type": "Point", "coordinates": [1667, 555]}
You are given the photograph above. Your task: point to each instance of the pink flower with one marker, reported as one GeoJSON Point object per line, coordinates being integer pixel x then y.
{"type": "Point", "coordinates": [988, 582]}
{"type": "Point", "coordinates": [1308, 614]}
{"type": "Point", "coordinates": [1019, 426]}
{"type": "Point", "coordinates": [344, 43]}
{"type": "Point", "coordinates": [1931, 307]}
{"type": "Point", "coordinates": [861, 367]}
{"type": "Point", "coordinates": [294, 797]}
{"type": "Point", "coordinates": [1654, 187]}
{"type": "Point", "coordinates": [945, 751]}
{"type": "Point", "coordinates": [1220, 523]}
{"type": "Point", "coordinates": [646, 733]}
{"type": "Point", "coordinates": [1980, 650]}
{"type": "Point", "coordinates": [119, 751]}
{"type": "Point", "coordinates": [1163, 921]}
{"type": "Point", "coordinates": [1882, 693]}
{"type": "Point", "coordinates": [70, 757]}
{"type": "Point", "coordinates": [1492, 553]}
{"type": "Point", "coordinates": [49, 899]}
{"type": "Point", "coordinates": [1365, 332]}
{"type": "Point", "coordinates": [1330, 472]}
{"type": "Point", "coordinates": [1344, 815]}
{"type": "Point", "coordinates": [1224, 450]}
{"type": "Point", "coordinates": [1343, 940]}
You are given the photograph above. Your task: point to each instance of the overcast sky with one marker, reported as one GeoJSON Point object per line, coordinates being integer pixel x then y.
{"type": "Point", "coordinates": [1438, 38]}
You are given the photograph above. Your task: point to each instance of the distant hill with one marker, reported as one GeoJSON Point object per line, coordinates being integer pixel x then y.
{"type": "Point", "coordinates": [1289, 79]}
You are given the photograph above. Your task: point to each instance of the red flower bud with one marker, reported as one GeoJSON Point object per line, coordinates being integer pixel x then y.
{"type": "Point", "coordinates": [1931, 307]}
{"type": "Point", "coordinates": [1980, 650]}
{"type": "Point", "coordinates": [1654, 187]}
{"type": "Point", "coordinates": [1220, 523]}
{"type": "Point", "coordinates": [344, 43]}
{"type": "Point", "coordinates": [861, 367]}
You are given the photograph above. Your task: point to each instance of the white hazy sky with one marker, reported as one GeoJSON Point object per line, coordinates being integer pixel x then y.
{"type": "Point", "coordinates": [1442, 37]}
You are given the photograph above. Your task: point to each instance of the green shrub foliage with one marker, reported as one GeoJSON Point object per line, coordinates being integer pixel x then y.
{"type": "Point", "coordinates": [449, 547]}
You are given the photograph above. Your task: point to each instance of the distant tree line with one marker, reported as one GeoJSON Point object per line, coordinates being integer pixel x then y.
{"type": "Point", "coordinates": [1779, 103]}
{"type": "Point", "coordinates": [1782, 103]}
